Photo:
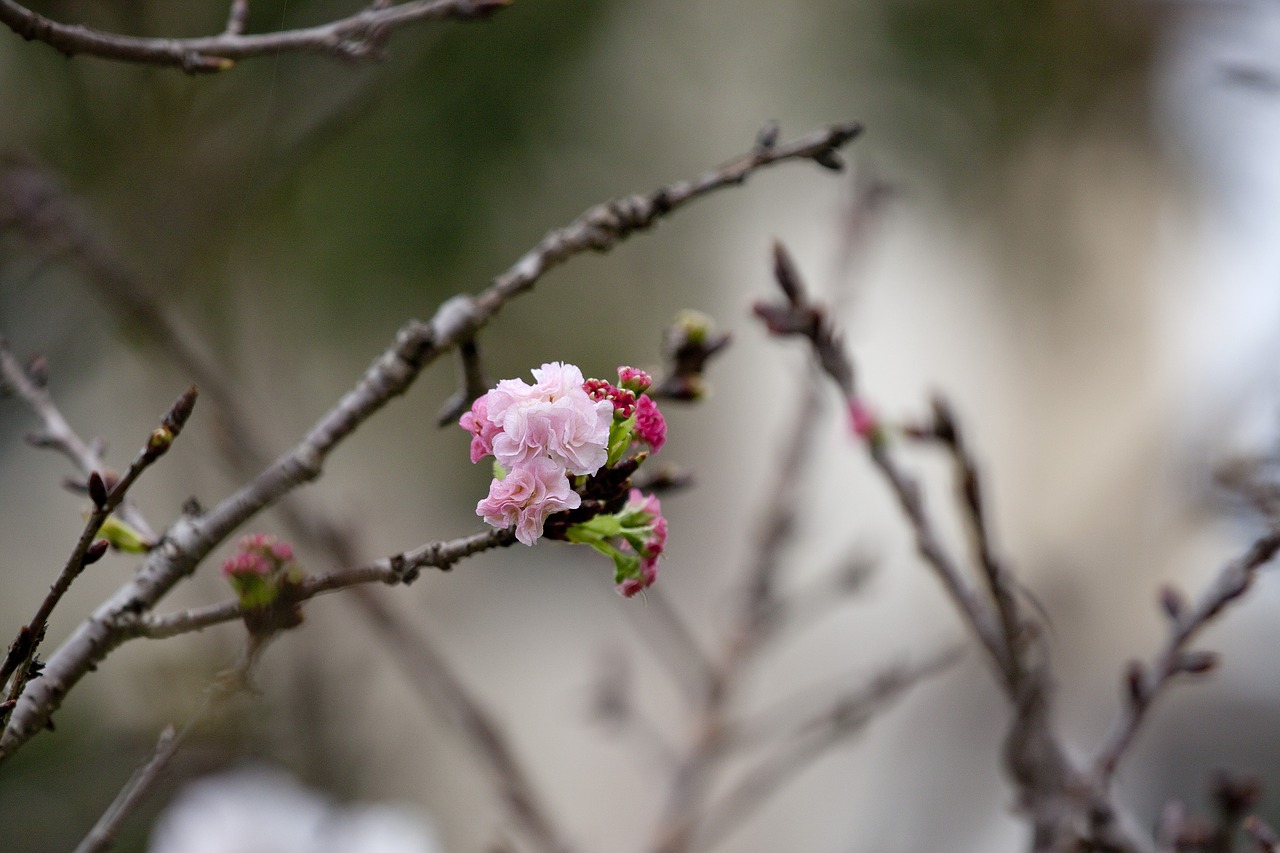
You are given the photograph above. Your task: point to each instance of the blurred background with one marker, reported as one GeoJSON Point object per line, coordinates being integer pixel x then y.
{"type": "Point", "coordinates": [1076, 246]}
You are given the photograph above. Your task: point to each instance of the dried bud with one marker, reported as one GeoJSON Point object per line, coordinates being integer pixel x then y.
{"type": "Point", "coordinates": [1197, 663]}
{"type": "Point", "coordinates": [94, 552]}
{"type": "Point", "coordinates": [179, 412]}
{"type": "Point", "coordinates": [97, 490]}
{"type": "Point", "coordinates": [1172, 602]}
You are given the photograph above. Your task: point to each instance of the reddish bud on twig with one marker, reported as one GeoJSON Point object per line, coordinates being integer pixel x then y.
{"type": "Point", "coordinates": [94, 552]}
{"type": "Point", "coordinates": [1172, 602]}
{"type": "Point", "coordinates": [1197, 663]}
{"type": "Point", "coordinates": [97, 490]}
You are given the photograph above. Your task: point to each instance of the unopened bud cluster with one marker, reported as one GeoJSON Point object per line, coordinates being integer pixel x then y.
{"type": "Point", "coordinates": [567, 445]}
{"type": "Point", "coordinates": [263, 573]}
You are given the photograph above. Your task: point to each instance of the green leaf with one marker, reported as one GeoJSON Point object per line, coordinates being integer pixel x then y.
{"type": "Point", "coordinates": [124, 537]}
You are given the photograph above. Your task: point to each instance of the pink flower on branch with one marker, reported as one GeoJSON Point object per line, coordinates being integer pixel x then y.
{"type": "Point", "coordinates": [562, 445]}
{"type": "Point", "coordinates": [554, 418]}
{"type": "Point", "coordinates": [651, 426]}
{"type": "Point", "coordinates": [526, 496]}
{"type": "Point", "coordinates": [481, 428]}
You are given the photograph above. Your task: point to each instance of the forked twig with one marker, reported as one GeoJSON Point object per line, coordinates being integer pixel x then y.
{"type": "Point", "coordinates": [356, 37]}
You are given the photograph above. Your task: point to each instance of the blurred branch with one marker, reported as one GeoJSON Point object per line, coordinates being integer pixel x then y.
{"type": "Point", "coordinates": [437, 682]}
{"type": "Point", "coordinates": [1065, 809]}
{"type": "Point", "coordinates": [396, 569]}
{"type": "Point", "coordinates": [1264, 838]}
{"type": "Point", "coordinates": [691, 781]}
{"type": "Point", "coordinates": [667, 636]}
{"type": "Point", "coordinates": [810, 740]}
{"type": "Point", "coordinates": [102, 836]}
{"type": "Point", "coordinates": [357, 37]}
{"type": "Point", "coordinates": [1146, 682]}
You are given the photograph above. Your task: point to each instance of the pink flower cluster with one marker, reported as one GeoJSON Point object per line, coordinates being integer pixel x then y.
{"type": "Point", "coordinates": [260, 555]}
{"type": "Point", "coordinates": [648, 539]}
{"type": "Point", "coordinates": [539, 434]}
{"type": "Point", "coordinates": [542, 435]}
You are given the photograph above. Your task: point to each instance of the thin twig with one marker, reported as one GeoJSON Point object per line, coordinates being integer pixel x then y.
{"type": "Point", "coordinates": [434, 678]}
{"type": "Point", "coordinates": [667, 636]}
{"type": "Point", "coordinates": [396, 569]}
{"type": "Point", "coordinates": [55, 433]}
{"type": "Point", "coordinates": [691, 780]}
{"type": "Point", "coordinates": [237, 17]}
{"type": "Point", "coordinates": [1057, 796]}
{"type": "Point", "coordinates": [357, 37]}
{"type": "Point", "coordinates": [1146, 683]}
{"type": "Point", "coordinates": [23, 650]}
{"type": "Point", "coordinates": [102, 836]}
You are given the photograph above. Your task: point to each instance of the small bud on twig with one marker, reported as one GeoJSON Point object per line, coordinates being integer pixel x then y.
{"type": "Point", "coordinates": [159, 443]}
{"type": "Point", "coordinates": [94, 552]}
{"type": "Point", "coordinates": [1197, 663]}
{"type": "Point", "coordinates": [179, 412]}
{"type": "Point", "coordinates": [1172, 602]}
{"type": "Point", "coordinates": [767, 138]}
{"type": "Point", "coordinates": [97, 490]}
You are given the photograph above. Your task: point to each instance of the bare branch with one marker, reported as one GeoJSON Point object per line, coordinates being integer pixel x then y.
{"type": "Point", "coordinates": [810, 740]}
{"type": "Point", "coordinates": [433, 677]}
{"type": "Point", "coordinates": [23, 650]}
{"type": "Point", "coordinates": [691, 780]}
{"type": "Point", "coordinates": [417, 345]}
{"type": "Point", "coordinates": [1145, 683]}
{"type": "Point", "coordinates": [396, 569]}
{"type": "Point", "coordinates": [103, 834]}
{"type": "Point", "coordinates": [1065, 808]}
{"type": "Point", "coordinates": [357, 37]}
{"type": "Point", "coordinates": [55, 433]}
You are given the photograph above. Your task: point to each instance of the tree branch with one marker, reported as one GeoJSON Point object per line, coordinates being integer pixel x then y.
{"type": "Point", "coordinates": [357, 37]}
{"type": "Point", "coordinates": [55, 433]}
{"type": "Point", "coordinates": [396, 569]}
{"type": "Point", "coordinates": [23, 650]}
{"type": "Point", "coordinates": [1145, 683]}
{"type": "Point", "coordinates": [417, 345]}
